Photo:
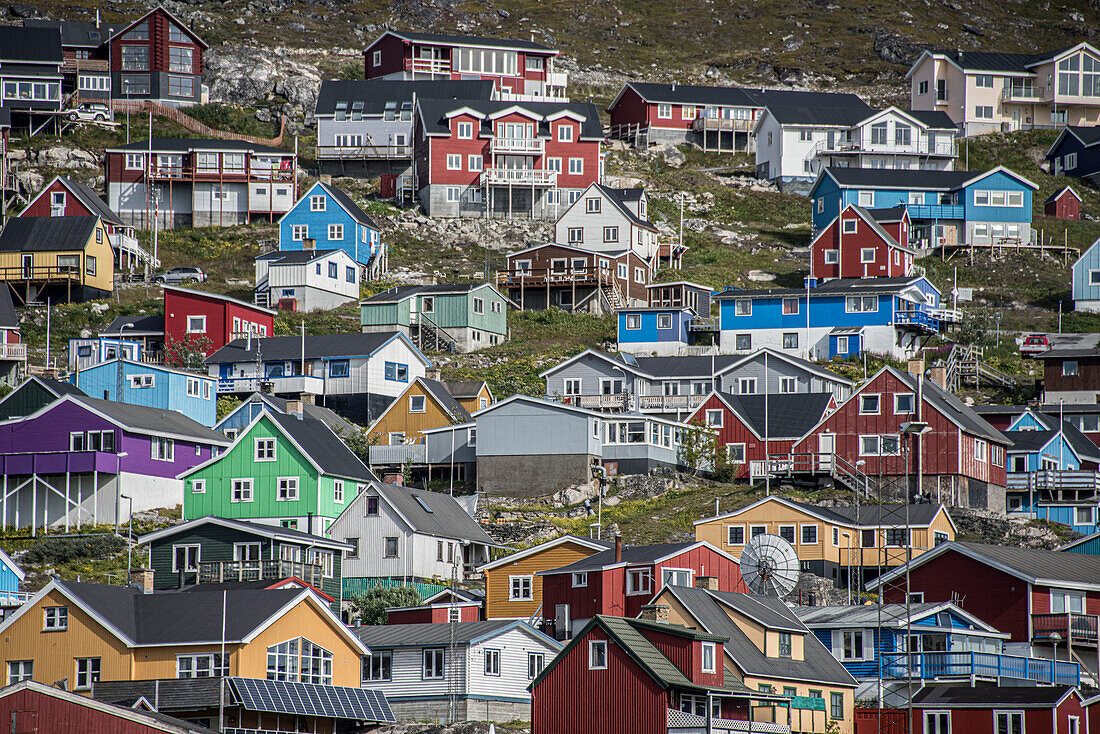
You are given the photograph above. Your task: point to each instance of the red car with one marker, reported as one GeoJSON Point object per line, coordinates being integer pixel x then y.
{"type": "Point", "coordinates": [1034, 344]}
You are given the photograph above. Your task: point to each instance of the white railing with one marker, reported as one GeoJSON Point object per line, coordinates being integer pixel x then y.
{"type": "Point", "coordinates": [548, 95]}
{"type": "Point", "coordinates": [528, 146]}
{"type": "Point", "coordinates": [519, 176]}
{"type": "Point", "coordinates": [13, 351]}
{"type": "Point", "coordinates": [287, 384]}
{"type": "Point", "coordinates": [415, 453]}
{"type": "Point", "coordinates": [558, 79]}
{"type": "Point", "coordinates": [430, 66]}
{"type": "Point", "coordinates": [596, 402]}
{"type": "Point", "coordinates": [1024, 93]}
{"type": "Point", "coordinates": [670, 402]}
{"type": "Point", "coordinates": [327, 152]}
{"type": "Point", "coordinates": [951, 315]}
{"type": "Point", "coordinates": [678, 719]}
{"type": "Point", "coordinates": [14, 598]}
{"type": "Point", "coordinates": [863, 147]}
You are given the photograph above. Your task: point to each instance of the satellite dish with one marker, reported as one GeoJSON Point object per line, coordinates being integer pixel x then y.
{"type": "Point", "coordinates": [769, 566]}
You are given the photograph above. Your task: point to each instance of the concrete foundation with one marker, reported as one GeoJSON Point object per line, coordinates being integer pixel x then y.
{"type": "Point", "coordinates": [532, 476]}
{"type": "Point", "coordinates": [466, 709]}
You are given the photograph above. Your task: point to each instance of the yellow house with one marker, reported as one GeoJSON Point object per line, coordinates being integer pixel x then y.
{"type": "Point", "coordinates": [769, 650]}
{"type": "Point", "coordinates": [472, 395]}
{"type": "Point", "coordinates": [513, 588]}
{"type": "Point", "coordinates": [424, 405]}
{"type": "Point", "coordinates": [833, 542]}
{"type": "Point", "coordinates": [84, 633]}
{"type": "Point", "coordinates": [66, 258]}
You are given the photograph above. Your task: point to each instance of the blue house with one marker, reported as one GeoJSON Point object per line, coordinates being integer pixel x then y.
{"type": "Point", "coordinates": [153, 386]}
{"type": "Point", "coordinates": [242, 416]}
{"type": "Point", "coordinates": [661, 331]}
{"type": "Point", "coordinates": [1088, 545]}
{"type": "Point", "coordinates": [11, 578]}
{"type": "Point", "coordinates": [1085, 279]}
{"type": "Point", "coordinates": [931, 641]}
{"type": "Point", "coordinates": [945, 207]}
{"type": "Point", "coordinates": [838, 318]}
{"type": "Point", "coordinates": [85, 352]}
{"type": "Point", "coordinates": [1075, 152]}
{"type": "Point", "coordinates": [326, 218]}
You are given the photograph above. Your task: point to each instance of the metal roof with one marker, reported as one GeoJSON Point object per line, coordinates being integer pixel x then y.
{"type": "Point", "coordinates": [317, 346]}
{"type": "Point", "coordinates": [781, 415]}
{"type": "Point", "coordinates": [958, 696]}
{"type": "Point", "coordinates": [401, 292]}
{"type": "Point", "coordinates": [150, 324]}
{"type": "Point", "coordinates": [141, 418]}
{"type": "Point", "coordinates": [900, 178]}
{"type": "Point", "coordinates": [696, 94]}
{"type": "Point", "coordinates": [31, 44]}
{"type": "Point", "coordinates": [434, 113]}
{"type": "Point", "coordinates": [453, 40]}
{"type": "Point", "coordinates": [322, 446]}
{"type": "Point", "coordinates": [294, 257]}
{"type": "Point", "coordinates": [47, 234]}
{"type": "Point", "coordinates": [186, 145]}
{"type": "Point", "coordinates": [432, 634]}
{"type": "Point", "coordinates": [433, 513]}
{"type": "Point", "coordinates": [631, 555]}
{"type": "Point", "coordinates": [268, 531]}
{"type": "Point", "coordinates": [814, 108]}
{"type": "Point", "coordinates": [375, 94]}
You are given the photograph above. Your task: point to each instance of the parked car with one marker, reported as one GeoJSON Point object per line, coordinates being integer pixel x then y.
{"type": "Point", "coordinates": [92, 112]}
{"type": "Point", "coordinates": [1034, 344]}
{"type": "Point", "coordinates": [182, 274]}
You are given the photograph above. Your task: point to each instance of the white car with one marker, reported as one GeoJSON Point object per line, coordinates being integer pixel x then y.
{"type": "Point", "coordinates": [91, 112]}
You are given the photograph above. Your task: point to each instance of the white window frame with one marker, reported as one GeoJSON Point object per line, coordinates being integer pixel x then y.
{"type": "Point", "coordinates": [634, 577]}
{"type": "Point", "coordinates": [878, 404]}
{"type": "Point", "coordinates": [240, 490]}
{"type": "Point", "coordinates": [198, 486]}
{"type": "Point", "coordinates": [336, 232]}
{"type": "Point", "coordinates": [266, 442]}
{"type": "Point", "coordinates": [600, 662]}
{"type": "Point", "coordinates": [866, 255]}
{"type": "Point", "coordinates": [729, 540]}
{"type": "Point", "coordinates": [709, 657]}
{"type": "Point", "coordinates": [286, 489]}
{"type": "Point", "coordinates": [997, 713]}
{"type": "Point", "coordinates": [664, 111]}
{"type": "Point", "coordinates": [713, 417]}
{"type": "Point", "coordinates": [465, 130]}
{"type": "Point", "coordinates": [299, 232]}
{"type": "Point", "coordinates": [191, 329]}
{"type": "Point", "coordinates": [530, 587]}
{"type": "Point", "coordinates": [579, 579]}
{"type": "Point", "coordinates": [317, 203]}
{"type": "Point", "coordinates": [423, 403]}
{"type": "Point", "coordinates": [912, 403]}
{"type": "Point", "coordinates": [850, 226]}
{"type": "Point", "coordinates": [454, 161]}
{"type": "Point", "coordinates": [832, 257]}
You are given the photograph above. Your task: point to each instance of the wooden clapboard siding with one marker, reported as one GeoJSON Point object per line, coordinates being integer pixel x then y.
{"type": "Point", "coordinates": [497, 585]}
{"type": "Point", "coordinates": [772, 515]}
{"type": "Point", "coordinates": [399, 419]}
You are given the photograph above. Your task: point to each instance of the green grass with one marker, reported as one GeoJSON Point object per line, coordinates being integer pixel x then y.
{"type": "Point", "coordinates": [234, 119]}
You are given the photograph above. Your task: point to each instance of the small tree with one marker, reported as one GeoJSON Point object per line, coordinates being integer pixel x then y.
{"type": "Point", "coordinates": [360, 441]}
{"type": "Point", "coordinates": [227, 404]}
{"type": "Point", "coordinates": [371, 607]}
{"type": "Point", "coordinates": [189, 352]}
{"type": "Point", "coordinates": [700, 450]}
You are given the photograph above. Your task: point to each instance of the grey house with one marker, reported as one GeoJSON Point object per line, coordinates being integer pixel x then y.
{"type": "Point", "coordinates": [675, 386]}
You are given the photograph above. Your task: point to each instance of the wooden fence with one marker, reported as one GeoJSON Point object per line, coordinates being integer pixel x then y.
{"type": "Point", "coordinates": [190, 123]}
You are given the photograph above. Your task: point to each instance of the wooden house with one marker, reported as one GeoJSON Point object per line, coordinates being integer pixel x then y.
{"type": "Point", "coordinates": [836, 543]}
{"type": "Point", "coordinates": [30, 67]}
{"type": "Point", "coordinates": [209, 321]}
{"type": "Point", "coordinates": [153, 386]}
{"type": "Point", "coordinates": [440, 608]}
{"type": "Point", "coordinates": [306, 280]}
{"type": "Point", "coordinates": [425, 404]}
{"type": "Point", "coordinates": [573, 278]}
{"type": "Point", "coordinates": [1071, 376]}
{"type": "Point", "coordinates": [513, 586]}
{"type": "Point", "coordinates": [471, 394]}
{"type": "Point", "coordinates": [462, 317]}
{"type": "Point", "coordinates": [1063, 204]}
{"type": "Point", "coordinates": [467, 670]}
{"type": "Point", "coordinates": [11, 582]}
{"type": "Point", "coordinates": [33, 394]}
{"type": "Point", "coordinates": [66, 259]}
{"type": "Point", "coordinates": [998, 709]}
{"type": "Point", "coordinates": [326, 218]}
{"type": "Point", "coordinates": [863, 243]}
{"type": "Point", "coordinates": [1075, 152]}
{"type": "Point", "coordinates": [157, 57]}
{"type": "Point", "coordinates": [622, 579]}
{"type": "Point", "coordinates": [604, 219]}
{"type": "Point", "coordinates": [1085, 280]}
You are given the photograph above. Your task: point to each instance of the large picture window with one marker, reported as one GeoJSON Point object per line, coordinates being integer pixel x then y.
{"type": "Point", "coordinates": [301, 661]}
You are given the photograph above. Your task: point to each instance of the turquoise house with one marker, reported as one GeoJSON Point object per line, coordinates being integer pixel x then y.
{"type": "Point", "coordinates": [462, 317]}
{"type": "Point", "coordinates": [11, 578]}
{"type": "Point", "coordinates": [1085, 279]}
{"type": "Point", "coordinates": [326, 218]}
{"type": "Point", "coordinates": [153, 386]}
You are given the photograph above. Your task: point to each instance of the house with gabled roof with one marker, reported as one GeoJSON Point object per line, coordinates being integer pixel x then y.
{"type": "Point", "coordinates": [452, 604]}
{"type": "Point", "coordinates": [11, 581]}
{"type": "Point", "coordinates": [646, 677]}
{"type": "Point", "coordinates": [1075, 152]}
{"type": "Point", "coordinates": [153, 385]}
{"type": "Point", "coordinates": [424, 405]}
{"type": "Point", "coordinates": [605, 219]}
{"type": "Point", "coordinates": [1085, 279]}
{"type": "Point", "coordinates": [1002, 708]}
{"type": "Point", "coordinates": [863, 243]}
{"type": "Point", "coordinates": [461, 316]}
{"type": "Point", "coordinates": [835, 543]}
{"type": "Point", "coordinates": [327, 218]}
{"type": "Point", "coordinates": [68, 259]}
{"type": "Point", "coordinates": [306, 280]}
{"type": "Point", "coordinates": [464, 671]}
{"type": "Point", "coordinates": [243, 415]}
{"type": "Point", "coordinates": [30, 64]}
{"type": "Point", "coordinates": [891, 138]}
{"type": "Point", "coordinates": [768, 649]}
{"type": "Point", "coordinates": [33, 394]}
{"type": "Point", "coordinates": [1063, 204]}
{"type": "Point", "coordinates": [471, 394]}
{"type": "Point", "coordinates": [622, 579]}
{"type": "Point", "coordinates": [284, 469]}
{"type": "Point", "coordinates": [209, 321]}
{"type": "Point", "coordinates": [574, 278]}
{"type": "Point", "coordinates": [157, 57]}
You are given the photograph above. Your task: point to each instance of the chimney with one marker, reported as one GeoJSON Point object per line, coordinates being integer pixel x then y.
{"type": "Point", "coordinates": [915, 367]}
{"type": "Point", "coordinates": [938, 375]}
{"type": "Point", "coordinates": [97, 17]}
{"type": "Point", "coordinates": [655, 613]}
{"type": "Point", "coordinates": [396, 478]}
{"type": "Point", "coordinates": [294, 407]}
{"type": "Point", "coordinates": [326, 178]}
{"type": "Point", "coordinates": [618, 548]}
{"type": "Point", "coordinates": [433, 373]}
{"type": "Point", "coordinates": [142, 577]}
{"type": "Point", "coordinates": [309, 244]}
{"type": "Point", "coordinates": [710, 583]}
{"type": "Point", "coordinates": [308, 398]}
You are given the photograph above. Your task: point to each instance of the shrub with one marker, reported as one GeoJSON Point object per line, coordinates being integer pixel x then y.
{"type": "Point", "coordinates": [58, 550]}
{"type": "Point", "coordinates": [371, 607]}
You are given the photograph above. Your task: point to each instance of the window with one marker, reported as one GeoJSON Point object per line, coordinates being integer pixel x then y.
{"type": "Point", "coordinates": [610, 234]}
{"type": "Point", "coordinates": [299, 660]}
{"type": "Point", "coordinates": [553, 165]}
{"type": "Point", "coordinates": [576, 235]}
{"type": "Point", "coordinates": [714, 418]}
{"type": "Point", "coordinates": [299, 232]}
{"type": "Point", "coordinates": [851, 645]}
{"type": "Point", "coordinates": [354, 543]}
{"type": "Point", "coordinates": [317, 203]}
{"type": "Point", "coordinates": [476, 162]}
{"type": "Point", "coordinates": [735, 535]}
{"type": "Point", "coordinates": [983, 112]}
{"type": "Point", "coordinates": [198, 486]}
{"type": "Point", "coordinates": [878, 133]}
{"type": "Point", "coordinates": [162, 449]}
{"type": "Point", "coordinates": [335, 232]}
{"type": "Point", "coordinates": [339, 368]}
{"type": "Point", "coordinates": [867, 198]}
{"type": "Point", "coordinates": [621, 271]}
{"type": "Point", "coordinates": [597, 654]}
{"type": "Point", "coordinates": [203, 665]}
{"type": "Point", "coordinates": [454, 162]}
{"type": "Point", "coordinates": [1069, 368]}
{"type": "Point", "coordinates": [397, 372]}
{"type": "Point", "coordinates": [784, 644]}
{"type": "Point", "coordinates": [135, 58]}
{"type": "Point", "coordinates": [465, 130]}
{"type": "Point", "coordinates": [338, 490]}
{"type": "Point", "coordinates": [433, 666]}
{"type": "Point", "coordinates": [868, 404]}
{"type": "Point", "coordinates": [1009, 722]}
{"type": "Point", "coordinates": [57, 619]}
{"type": "Point", "coordinates": [287, 489]}
{"type": "Point", "coordinates": [851, 226]}
{"type": "Point", "coordinates": [639, 275]}
{"type": "Point", "coordinates": [390, 547]}
{"type": "Point", "coordinates": [664, 111]}
{"type": "Point", "coordinates": [520, 588]}
{"type": "Point", "coordinates": [572, 386]}
{"type": "Point", "coordinates": [832, 257]}
{"type": "Point", "coordinates": [888, 445]}
{"type": "Point", "coordinates": [20, 670]}
{"type": "Point", "coordinates": [536, 661]}
{"type": "Point", "coordinates": [240, 490]}
{"type": "Point", "coordinates": [937, 722]}
{"type": "Point", "coordinates": [138, 33]}
{"type": "Point", "coordinates": [861, 304]}
{"type": "Point", "coordinates": [639, 580]}
{"type": "Point", "coordinates": [181, 86]}
{"type": "Point", "coordinates": [1084, 515]}
{"type": "Point", "coordinates": [675, 577]}
{"type": "Point", "coordinates": [742, 342]}
{"type": "Point", "coordinates": [378, 666]}
{"type": "Point", "coordinates": [979, 449]}
{"type": "Point", "coordinates": [786, 532]}
{"type": "Point", "coordinates": [492, 662]}
{"type": "Point", "coordinates": [185, 558]}
{"type": "Point", "coordinates": [985, 81]}
{"type": "Point", "coordinates": [196, 324]}
{"type": "Point", "coordinates": [194, 387]}
{"type": "Point", "coordinates": [809, 535]}
{"type": "Point", "coordinates": [867, 255]}
{"type": "Point", "coordinates": [87, 673]}
{"type": "Point", "coordinates": [742, 307]}
{"type": "Point", "coordinates": [576, 166]}
{"type": "Point", "coordinates": [1070, 161]}
{"type": "Point", "coordinates": [790, 341]}
{"type": "Point", "coordinates": [790, 306]}
{"type": "Point", "coordinates": [664, 321]}
{"type": "Point", "coordinates": [264, 449]}
{"type": "Point", "coordinates": [349, 273]}
{"type": "Point", "coordinates": [565, 133]}
{"type": "Point", "coordinates": [897, 537]}
{"type": "Point", "coordinates": [904, 403]}
{"type": "Point", "coordinates": [710, 656]}
{"type": "Point", "coordinates": [454, 194]}
{"type": "Point", "coordinates": [836, 705]}
{"type": "Point", "coordinates": [735, 452]}
{"type": "Point", "coordinates": [417, 403]}
{"type": "Point", "coordinates": [805, 135]}
{"type": "Point", "coordinates": [633, 321]}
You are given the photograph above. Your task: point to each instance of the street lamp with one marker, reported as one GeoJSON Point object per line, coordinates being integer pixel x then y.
{"type": "Point", "coordinates": [130, 540]}
{"type": "Point", "coordinates": [118, 353]}
{"type": "Point", "coordinates": [849, 565]}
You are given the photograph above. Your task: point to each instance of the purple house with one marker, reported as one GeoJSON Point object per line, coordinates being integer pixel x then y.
{"type": "Point", "coordinates": [81, 460]}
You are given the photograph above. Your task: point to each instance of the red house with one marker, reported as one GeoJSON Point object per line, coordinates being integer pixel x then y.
{"type": "Point", "coordinates": [959, 459]}
{"type": "Point", "coordinates": [621, 580]}
{"type": "Point", "coordinates": [438, 613]}
{"type": "Point", "coordinates": [1066, 204]}
{"type": "Point", "coordinates": [863, 243]}
{"type": "Point", "coordinates": [944, 709]}
{"type": "Point", "coordinates": [753, 426]}
{"type": "Point", "coordinates": [210, 319]}
{"type": "Point", "coordinates": [1047, 599]}
{"type": "Point", "coordinates": [529, 159]}
{"type": "Point", "coordinates": [716, 118]}
{"type": "Point", "coordinates": [521, 70]}
{"type": "Point", "coordinates": [157, 57]}
{"type": "Point", "coordinates": [628, 675]}
{"type": "Point", "coordinates": [28, 707]}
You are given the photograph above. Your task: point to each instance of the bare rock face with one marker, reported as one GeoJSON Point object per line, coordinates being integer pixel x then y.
{"type": "Point", "coordinates": [252, 76]}
{"type": "Point", "coordinates": [898, 49]}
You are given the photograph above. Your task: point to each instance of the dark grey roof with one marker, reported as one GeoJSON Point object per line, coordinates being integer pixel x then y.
{"type": "Point", "coordinates": [1067, 353]}
{"type": "Point", "coordinates": [79, 32]}
{"type": "Point", "coordinates": [446, 38]}
{"type": "Point", "coordinates": [463, 389]}
{"type": "Point", "coordinates": [989, 696]}
{"type": "Point", "coordinates": [183, 145]}
{"type": "Point", "coordinates": [349, 205]}
{"type": "Point", "coordinates": [267, 531]}
{"type": "Point", "coordinates": [319, 443]}
{"type": "Point", "coordinates": [696, 94]}
{"type": "Point", "coordinates": [446, 519]}
{"type": "Point", "coordinates": [148, 324]}
{"type": "Point", "coordinates": [9, 317]}
{"type": "Point", "coordinates": [1058, 194]}
{"type": "Point", "coordinates": [317, 346]}
{"type": "Point", "coordinates": [706, 607]}
{"type": "Point", "coordinates": [814, 108]}
{"type": "Point", "coordinates": [868, 515]}
{"type": "Point", "coordinates": [1085, 449]}
{"type": "Point", "coordinates": [863, 615]}
{"type": "Point", "coordinates": [401, 292]}
{"type": "Point", "coordinates": [47, 234]}
{"type": "Point", "coordinates": [375, 93]}
{"type": "Point", "coordinates": [893, 214]}
{"type": "Point", "coordinates": [429, 634]}
{"type": "Point", "coordinates": [934, 119]}
{"type": "Point", "coordinates": [632, 555]}
{"type": "Point", "coordinates": [1051, 565]}
{"type": "Point", "coordinates": [953, 408]}
{"type": "Point", "coordinates": [901, 178]}
{"type": "Point", "coordinates": [1088, 136]}
{"type": "Point", "coordinates": [439, 391]}
{"type": "Point", "coordinates": [882, 233]}
{"type": "Point", "coordinates": [294, 257]}
{"type": "Point", "coordinates": [166, 618]}
{"type": "Point", "coordinates": [994, 61]}
{"type": "Point", "coordinates": [687, 366]}
{"type": "Point", "coordinates": [336, 422]}
{"type": "Point", "coordinates": [845, 286]}
{"type": "Point", "coordinates": [31, 44]}
{"type": "Point", "coordinates": [1012, 410]}
{"type": "Point", "coordinates": [620, 197]}
{"type": "Point", "coordinates": [434, 111]}
{"type": "Point", "coordinates": [787, 415]}
{"type": "Point", "coordinates": [57, 387]}
{"type": "Point", "coordinates": [90, 199]}
{"type": "Point", "coordinates": [141, 418]}
{"type": "Point", "coordinates": [769, 611]}
{"type": "Point", "coordinates": [1029, 441]}
{"type": "Point", "coordinates": [171, 694]}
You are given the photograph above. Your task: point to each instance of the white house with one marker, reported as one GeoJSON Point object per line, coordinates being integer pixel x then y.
{"type": "Point", "coordinates": [485, 666]}
{"type": "Point", "coordinates": [406, 534]}
{"type": "Point", "coordinates": [890, 138]}
{"type": "Point", "coordinates": [310, 280]}
{"type": "Point", "coordinates": [604, 219]}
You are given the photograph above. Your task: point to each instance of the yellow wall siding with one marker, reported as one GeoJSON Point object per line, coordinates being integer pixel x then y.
{"type": "Point", "coordinates": [474, 403]}
{"type": "Point", "coordinates": [304, 620]}
{"type": "Point", "coordinates": [497, 589]}
{"type": "Point", "coordinates": [398, 419]}
{"type": "Point", "coordinates": [98, 246]}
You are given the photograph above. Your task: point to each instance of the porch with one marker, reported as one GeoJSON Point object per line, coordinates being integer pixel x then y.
{"type": "Point", "coordinates": [681, 722]}
{"type": "Point", "coordinates": [978, 665]}
{"type": "Point", "coordinates": [1065, 628]}
{"type": "Point", "coordinates": [216, 572]}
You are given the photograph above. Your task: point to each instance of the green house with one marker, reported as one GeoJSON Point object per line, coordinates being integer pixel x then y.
{"type": "Point", "coordinates": [440, 318]}
{"type": "Point", "coordinates": [283, 469]}
{"type": "Point", "coordinates": [33, 394]}
{"type": "Point", "coordinates": [236, 554]}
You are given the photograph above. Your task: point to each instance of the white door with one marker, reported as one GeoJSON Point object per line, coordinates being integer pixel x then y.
{"type": "Point", "coordinates": [563, 625]}
{"type": "Point", "coordinates": [1016, 117]}
{"type": "Point", "coordinates": [826, 448]}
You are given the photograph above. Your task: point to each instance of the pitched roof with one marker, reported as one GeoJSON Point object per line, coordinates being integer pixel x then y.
{"type": "Point", "coordinates": [79, 32]}
{"type": "Point", "coordinates": [184, 145]}
{"type": "Point", "coordinates": [56, 387]}
{"type": "Point", "coordinates": [993, 60]}
{"type": "Point", "coordinates": [593, 544]}
{"type": "Point", "coordinates": [708, 610]}
{"type": "Point", "coordinates": [878, 229]}
{"type": "Point", "coordinates": [952, 408]}
{"type": "Point", "coordinates": [935, 119]}
{"type": "Point", "coordinates": [216, 297]}
{"type": "Point", "coordinates": [464, 389]}
{"type": "Point", "coordinates": [317, 346]}
{"type": "Point", "coordinates": [785, 415]}
{"type": "Point", "coordinates": [141, 324]}
{"type": "Point", "coordinates": [886, 216]}
{"type": "Point", "coordinates": [695, 94]}
{"type": "Point", "coordinates": [433, 513]}
{"type": "Point", "coordinates": [401, 292]}
{"type": "Point", "coordinates": [274, 532]}
{"type": "Point", "coordinates": [1058, 194]}
{"type": "Point", "coordinates": [1085, 449]}
{"type": "Point", "coordinates": [322, 446]}
{"type": "Point", "coordinates": [294, 257]}
{"type": "Point", "coordinates": [956, 697]}
{"type": "Point", "coordinates": [375, 94]}
{"type": "Point", "coordinates": [87, 196]}
{"type": "Point", "coordinates": [1028, 441]}
{"type": "Point", "coordinates": [1067, 353]}
{"type": "Point", "coordinates": [144, 419]}
{"type": "Point", "coordinates": [33, 44]}
{"type": "Point", "coordinates": [814, 108]}
{"type": "Point", "coordinates": [920, 515]}
{"type": "Point", "coordinates": [453, 40]}
{"type": "Point", "coordinates": [620, 197]}
{"type": "Point", "coordinates": [448, 402]}
{"type": "Point", "coordinates": [1089, 136]}
{"type": "Point", "coordinates": [348, 204]}
{"type": "Point", "coordinates": [333, 420]}
{"type": "Point", "coordinates": [47, 234]}
{"type": "Point", "coordinates": [631, 555]}
{"type": "Point", "coordinates": [834, 287]}
{"type": "Point", "coordinates": [900, 178]}
{"type": "Point", "coordinates": [892, 615]}
{"type": "Point", "coordinates": [9, 317]}
{"type": "Point", "coordinates": [433, 113]}
{"type": "Point", "coordinates": [433, 634]}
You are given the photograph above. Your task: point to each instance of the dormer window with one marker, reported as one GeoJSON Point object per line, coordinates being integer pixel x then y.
{"type": "Point", "coordinates": [784, 645]}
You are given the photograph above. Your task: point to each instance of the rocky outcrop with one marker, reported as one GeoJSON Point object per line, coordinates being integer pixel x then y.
{"type": "Point", "coordinates": [502, 235]}
{"type": "Point", "coordinates": [898, 49]}
{"type": "Point", "coordinates": [246, 75]}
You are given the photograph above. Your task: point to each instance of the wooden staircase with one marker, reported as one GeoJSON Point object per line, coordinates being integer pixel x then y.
{"type": "Point", "coordinates": [613, 296]}
{"type": "Point", "coordinates": [429, 336]}
{"type": "Point", "coordinates": [965, 367]}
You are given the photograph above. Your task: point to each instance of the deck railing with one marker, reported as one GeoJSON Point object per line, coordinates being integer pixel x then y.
{"type": "Point", "coordinates": [401, 454]}
{"type": "Point", "coordinates": [677, 720]}
{"type": "Point", "coordinates": [211, 572]}
{"type": "Point", "coordinates": [709, 124]}
{"type": "Point", "coordinates": [1071, 628]}
{"type": "Point", "coordinates": [967, 664]}
{"type": "Point", "coordinates": [519, 177]}
{"type": "Point", "coordinates": [381, 152]}
{"type": "Point", "coordinates": [1054, 480]}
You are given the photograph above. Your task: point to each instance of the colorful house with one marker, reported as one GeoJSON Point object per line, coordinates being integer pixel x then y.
{"type": "Point", "coordinates": [307, 280]}
{"type": "Point", "coordinates": [284, 469]}
{"type": "Point", "coordinates": [717, 119]}
{"type": "Point", "coordinates": [326, 218]}
{"type": "Point", "coordinates": [863, 243]}
{"type": "Point", "coordinates": [30, 65]}
{"type": "Point", "coordinates": [997, 709]}
{"type": "Point", "coordinates": [452, 604]}
{"type": "Point", "coordinates": [470, 394]}
{"type": "Point", "coordinates": [209, 321]}
{"type": "Point", "coordinates": [1071, 376]}
{"type": "Point", "coordinates": [66, 259]}
{"type": "Point", "coordinates": [1075, 153]}
{"type": "Point", "coordinates": [1085, 279]}
{"type": "Point", "coordinates": [604, 219]}
{"type": "Point", "coordinates": [242, 416]}
{"type": "Point", "coordinates": [157, 57]}
{"type": "Point", "coordinates": [463, 317]}
{"type": "Point", "coordinates": [145, 329]}
{"type": "Point", "coordinates": [501, 601]}
{"type": "Point", "coordinates": [574, 278]}
{"type": "Point", "coordinates": [33, 394]}
{"type": "Point", "coordinates": [1063, 204]}
{"type": "Point", "coordinates": [11, 579]}
{"type": "Point", "coordinates": [81, 460]}
{"type": "Point", "coordinates": [621, 580]}
{"type": "Point", "coordinates": [425, 404]}
{"type": "Point", "coordinates": [152, 385]}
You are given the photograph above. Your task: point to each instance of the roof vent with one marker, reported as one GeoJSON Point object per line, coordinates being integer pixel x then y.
{"type": "Point", "coordinates": [420, 501]}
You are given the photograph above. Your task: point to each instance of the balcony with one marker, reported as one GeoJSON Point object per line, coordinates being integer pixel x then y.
{"type": "Point", "coordinates": [415, 453]}
{"type": "Point", "coordinates": [617, 401]}
{"type": "Point", "coordinates": [283, 384]}
{"type": "Point", "coordinates": [681, 720]}
{"type": "Point", "coordinates": [216, 572]}
{"type": "Point", "coordinates": [13, 351]}
{"type": "Point", "coordinates": [41, 273]}
{"type": "Point", "coordinates": [938, 212]}
{"type": "Point", "coordinates": [1055, 482]}
{"type": "Point", "coordinates": [1025, 94]}
{"type": "Point", "coordinates": [669, 403]}
{"type": "Point", "coordinates": [1071, 628]}
{"type": "Point", "coordinates": [920, 320]}
{"type": "Point", "coordinates": [558, 79]}
{"type": "Point", "coordinates": [357, 152]}
{"type": "Point", "coordinates": [430, 66]}
{"type": "Point", "coordinates": [711, 124]}
{"type": "Point", "coordinates": [519, 177]}
{"type": "Point", "coordinates": [860, 147]}
{"type": "Point", "coordinates": [518, 146]}
{"type": "Point", "coordinates": [73, 66]}
{"type": "Point", "coordinates": [14, 598]}
{"type": "Point", "coordinates": [969, 665]}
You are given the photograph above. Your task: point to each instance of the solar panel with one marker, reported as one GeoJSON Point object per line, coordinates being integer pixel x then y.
{"type": "Point", "coordinates": [311, 699]}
